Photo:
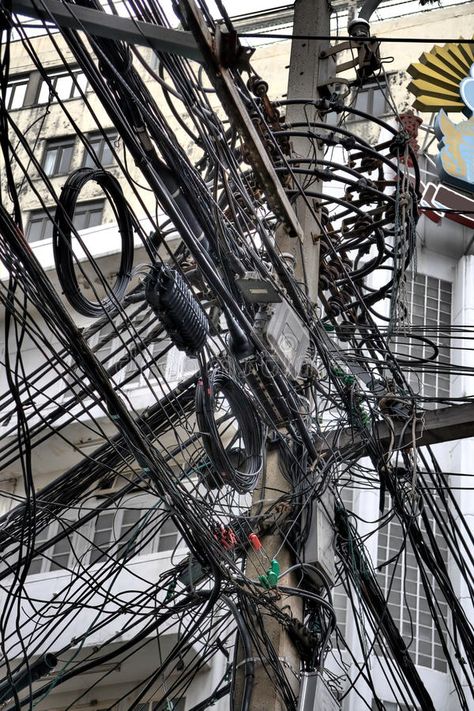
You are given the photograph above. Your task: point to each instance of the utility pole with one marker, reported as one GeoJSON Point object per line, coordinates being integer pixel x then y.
{"type": "Point", "coordinates": [306, 72]}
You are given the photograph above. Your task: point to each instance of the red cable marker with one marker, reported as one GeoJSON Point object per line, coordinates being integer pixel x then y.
{"type": "Point", "coordinates": [255, 541]}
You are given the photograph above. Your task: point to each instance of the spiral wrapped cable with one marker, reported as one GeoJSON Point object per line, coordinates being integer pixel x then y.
{"type": "Point", "coordinates": [174, 304]}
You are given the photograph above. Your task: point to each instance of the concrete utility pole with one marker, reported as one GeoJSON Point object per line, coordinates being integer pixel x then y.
{"type": "Point", "coordinates": [306, 73]}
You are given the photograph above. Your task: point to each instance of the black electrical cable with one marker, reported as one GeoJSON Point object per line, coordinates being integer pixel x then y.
{"type": "Point", "coordinates": [240, 468]}
{"type": "Point", "coordinates": [63, 230]}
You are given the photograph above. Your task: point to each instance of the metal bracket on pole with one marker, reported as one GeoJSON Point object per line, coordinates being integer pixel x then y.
{"type": "Point", "coordinates": [102, 24]}
{"type": "Point", "coordinates": [224, 84]}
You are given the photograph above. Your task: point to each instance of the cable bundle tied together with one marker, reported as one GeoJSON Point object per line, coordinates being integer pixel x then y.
{"type": "Point", "coordinates": [240, 468]}
{"type": "Point", "coordinates": [174, 303]}
{"type": "Point", "coordinates": [63, 230]}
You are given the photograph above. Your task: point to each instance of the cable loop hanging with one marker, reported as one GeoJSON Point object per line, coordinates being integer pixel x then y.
{"type": "Point", "coordinates": [63, 232]}
{"type": "Point", "coordinates": [239, 467]}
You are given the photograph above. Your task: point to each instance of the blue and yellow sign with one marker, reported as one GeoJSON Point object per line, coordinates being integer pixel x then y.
{"type": "Point", "coordinates": [456, 157]}
{"type": "Point", "coordinates": [443, 80]}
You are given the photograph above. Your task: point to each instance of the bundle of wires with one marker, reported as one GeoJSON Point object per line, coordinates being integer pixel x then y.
{"type": "Point", "coordinates": [243, 475]}
{"type": "Point", "coordinates": [63, 232]}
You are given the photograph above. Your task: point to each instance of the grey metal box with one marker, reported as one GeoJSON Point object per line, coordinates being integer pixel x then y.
{"type": "Point", "coordinates": [315, 695]}
{"type": "Point", "coordinates": [319, 547]}
{"type": "Point", "coordinates": [288, 338]}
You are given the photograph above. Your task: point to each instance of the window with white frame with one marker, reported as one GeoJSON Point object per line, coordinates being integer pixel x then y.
{"type": "Point", "coordinates": [40, 225]}
{"type": "Point", "coordinates": [428, 303]}
{"type": "Point", "coordinates": [57, 156]}
{"type": "Point", "coordinates": [139, 525]}
{"type": "Point", "coordinates": [150, 365]}
{"type": "Point", "coordinates": [61, 86]}
{"type": "Point", "coordinates": [403, 589]}
{"type": "Point", "coordinates": [15, 94]}
{"type": "Point", "coordinates": [62, 554]}
{"type": "Point", "coordinates": [99, 150]}
{"type": "Point", "coordinates": [113, 349]}
{"type": "Point", "coordinates": [88, 214]}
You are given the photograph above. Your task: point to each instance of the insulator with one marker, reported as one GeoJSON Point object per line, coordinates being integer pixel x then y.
{"type": "Point", "coordinates": [174, 303]}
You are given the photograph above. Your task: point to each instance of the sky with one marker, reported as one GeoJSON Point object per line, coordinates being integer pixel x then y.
{"type": "Point", "coordinates": [233, 7]}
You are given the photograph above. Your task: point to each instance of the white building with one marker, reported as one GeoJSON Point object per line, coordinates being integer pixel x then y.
{"type": "Point", "coordinates": [54, 607]}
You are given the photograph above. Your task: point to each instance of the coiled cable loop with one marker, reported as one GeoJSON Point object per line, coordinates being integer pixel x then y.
{"type": "Point", "coordinates": [240, 467]}
{"type": "Point", "coordinates": [63, 231]}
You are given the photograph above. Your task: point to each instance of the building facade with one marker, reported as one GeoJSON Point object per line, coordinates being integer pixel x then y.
{"type": "Point", "coordinates": [55, 112]}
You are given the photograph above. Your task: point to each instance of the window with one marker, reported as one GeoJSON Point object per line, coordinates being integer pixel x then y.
{"type": "Point", "coordinates": [103, 344]}
{"type": "Point", "coordinates": [403, 589]}
{"type": "Point", "coordinates": [88, 214]}
{"type": "Point", "coordinates": [61, 86]}
{"type": "Point", "coordinates": [372, 98]}
{"type": "Point", "coordinates": [137, 527]}
{"type": "Point", "coordinates": [428, 302]}
{"type": "Point", "coordinates": [168, 536]}
{"type": "Point", "coordinates": [99, 150]}
{"type": "Point", "coordinates": [16, 93]}
{"type": "Point", "coordinates": [58, 557]}
{"type": "Point", "coordinates": [151, 364]}
{"type": "Point", "coordinates": [57, 156]}
{"type": "Point", "coordinates": [111, 526]}
{"type": "Point", "coordinates": [40, 224]}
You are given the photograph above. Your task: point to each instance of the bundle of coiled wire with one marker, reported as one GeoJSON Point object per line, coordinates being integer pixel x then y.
{"type": "Point", "coordinates": [240, 468]}
{"type": "Point", "coordinates": [174, 303]}
{"type": "Point", "coordinates": [62, 240]}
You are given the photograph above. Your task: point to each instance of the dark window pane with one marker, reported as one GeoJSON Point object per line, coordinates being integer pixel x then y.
{"type": "Point", "coordinates": [167, 542]}
{"type": "Point", "coordinates": [99, 150]}
{"type": "Point", "coordinates": [15, 94]}
{"type": "Point", "coordinates": [88, 214]}
{"type": "Point", "coordinates": [362, 100]}
{"type": "Point", "coordinates": [61, 86]}
{"type": "Point", "coordinates": [40, 226]}
{"type": "Point", "coordinates": [378, 101]}
{"type": "Point", "coordinates": [57, 157]}
{"type": "Point", "coordinates": [66, 157]}
{"type": "Point", "coordinates": [94, 217]}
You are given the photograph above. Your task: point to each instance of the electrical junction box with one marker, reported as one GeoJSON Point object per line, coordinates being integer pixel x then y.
{"type": "Point", "coordinates": [287, 337]}
{"type": "Point", "coordinates": [315, 694]}
{"type": "Point", "coordinates": [256, 290]}
{"type": "Point", "coordinates": [318, 549]}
